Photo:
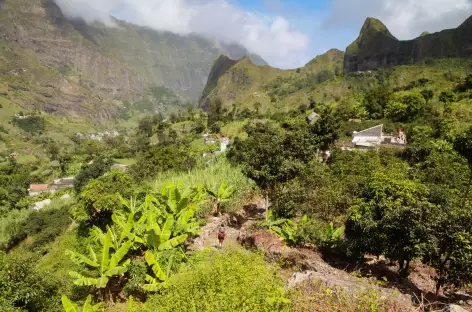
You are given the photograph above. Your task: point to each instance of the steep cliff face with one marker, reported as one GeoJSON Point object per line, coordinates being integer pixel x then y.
{"type": "Point", "coordinates": [72, 68]}
{"type": "Point", "coordinates": [377, 48]}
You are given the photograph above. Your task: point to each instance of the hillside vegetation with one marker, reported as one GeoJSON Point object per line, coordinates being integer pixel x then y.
{"type": "Point", "coordinates": [312, 223]}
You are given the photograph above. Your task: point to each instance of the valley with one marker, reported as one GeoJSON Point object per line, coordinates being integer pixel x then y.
{"type": "Point", "coordinates": [342, 185]}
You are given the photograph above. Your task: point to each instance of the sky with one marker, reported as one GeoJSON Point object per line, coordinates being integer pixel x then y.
{"type": "Point", "coordinates": [286, 33]}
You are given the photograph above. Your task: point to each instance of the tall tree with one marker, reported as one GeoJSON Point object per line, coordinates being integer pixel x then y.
{"type": "Point", "coordinates": [272, 157]}
{"type": "Point", "coordinates": [463, 145]}
{"type": "Point", "coordinates": [393, 218]}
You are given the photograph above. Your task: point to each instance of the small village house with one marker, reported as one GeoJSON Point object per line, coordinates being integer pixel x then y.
{"type": "Point", "coordinates": [313, 117]}
{"type": "Point", "coordinates": [63, 183]}
{"type": "Point", "coordinates": [123, 168]}
{"type": "Point", "coordinates": [374, 137]}
{"type": "Point", "coordinates": [224, 143]}
{"type": "Point", "coordinates": [36, 189]}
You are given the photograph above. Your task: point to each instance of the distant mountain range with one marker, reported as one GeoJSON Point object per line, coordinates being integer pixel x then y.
{"type": "Point", "coordinates": [69, 67]}
{"type": "Point", "coordinates": [376, 47]}
{"type": "Point", "coordinates": [245, 84]}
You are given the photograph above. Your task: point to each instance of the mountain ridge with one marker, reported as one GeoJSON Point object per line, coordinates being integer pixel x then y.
{"type": "Point", "coordinates": [377, 48]}
{"type": "Point", "coordinates": [91, 70]}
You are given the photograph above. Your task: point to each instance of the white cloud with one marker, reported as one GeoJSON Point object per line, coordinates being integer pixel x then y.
{"type": "Point", "coordinates": [406, 19]}
{"type": "Point", "coordinates": [272, 37]}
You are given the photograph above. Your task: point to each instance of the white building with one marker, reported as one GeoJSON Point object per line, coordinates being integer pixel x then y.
{"type": "Point", "coordinates": [374, 137]}
{"type": "Point", "coordinates": [369, 137]}
{"type": "Point", "coordinates": [224, 143]}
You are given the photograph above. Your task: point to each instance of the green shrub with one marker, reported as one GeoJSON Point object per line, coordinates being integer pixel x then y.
{"type": "Point", "coordinates": [48, 223]}
{"type": "Point", "coordinates": [11, 232]}
{"type": "Point", "coordinates": [230, 280]}
{"type": "Point", "coordinates": [96, 169]}
{"type": "Point", "coordinates": [30, 124]}
{"type": "Point", "coordinates": [23, 286]}
{"type": "Point", "coordinates": [98, 200]}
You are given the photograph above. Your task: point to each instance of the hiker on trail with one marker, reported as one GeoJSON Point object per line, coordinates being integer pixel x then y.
{"type": "Point", "coordinates": [221, 235]}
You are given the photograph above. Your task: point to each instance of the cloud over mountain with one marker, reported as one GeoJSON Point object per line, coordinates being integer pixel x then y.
{"type": "Point", "coordinates": [406, 19]}
{"type": "Point", "coordinates": [272, 37]}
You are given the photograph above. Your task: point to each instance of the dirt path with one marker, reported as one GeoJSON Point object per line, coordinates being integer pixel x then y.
{"type": "Point", "coordinates": [231, 239]}
{"type": "Point", "coordinates": [208, 234]}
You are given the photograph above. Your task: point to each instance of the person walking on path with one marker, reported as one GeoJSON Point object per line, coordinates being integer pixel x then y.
{"type": "Point", "coordinates": [221, 235]}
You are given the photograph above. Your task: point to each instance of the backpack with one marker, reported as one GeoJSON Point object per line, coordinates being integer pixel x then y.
{"type": "Point", "coordinates": [221, 233]}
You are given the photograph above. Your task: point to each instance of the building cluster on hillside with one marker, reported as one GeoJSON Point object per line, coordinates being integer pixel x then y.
{"type": "Point", "coordinates": [98, 136]}
{"type": "Point", "coordinates": [59, 184]}
{"type": "Point", "coordinates": [224, 144]}
{"type": "Point", "coordinates": [373, 138]}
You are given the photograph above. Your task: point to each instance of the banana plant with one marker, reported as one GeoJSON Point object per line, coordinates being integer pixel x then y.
{"type": "Point", "coordinates": [334, 234]}
{"type": "Point", "coordinates": [107, 266]}
{"type": "Point", "coordinates": [156, 282]}
{"type": "Point", "coordinates": [220, 196]}
{"type": "Point", "coordinates": [173, 199]}
{"type": "Point", "coordinates": [130, 224]}
{"type": "Point", "coordinates": [288, 232]}
{"type": "Point", "coordinates": [272, 224]}
{"type": "Point", "coordinates": [88, 307]}
{"type": "Point", "coordinates": [164, 238]}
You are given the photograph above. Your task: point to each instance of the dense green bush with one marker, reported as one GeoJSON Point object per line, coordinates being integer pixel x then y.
{"type": "Point", "coordinates": [31, 123]}
{"type": "Point", "coordinates": [98, 200]}
{"type": "Point", "coordinates": [23, 287]}
{"type": "Point", "coordinates": [98, 167]}
{"type": "Point", "coordinates": [229, 280]}
{"type": "Point", "coordinates": [162, 158]}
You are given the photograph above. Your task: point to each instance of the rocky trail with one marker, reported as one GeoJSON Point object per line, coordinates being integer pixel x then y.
{"type": "Point", "coordinates": [302, 265]}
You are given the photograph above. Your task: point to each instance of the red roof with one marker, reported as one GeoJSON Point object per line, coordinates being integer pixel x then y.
{"type": "Point", "coordinates": [39, 187]}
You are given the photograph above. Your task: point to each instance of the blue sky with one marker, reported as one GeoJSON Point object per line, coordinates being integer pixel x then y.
{"type": "Point", "coordinates": [313, 17]}
{"type": "Point", "coordinates": [307, 17]}
{"type": "Point", "coordinates": [286, 33]}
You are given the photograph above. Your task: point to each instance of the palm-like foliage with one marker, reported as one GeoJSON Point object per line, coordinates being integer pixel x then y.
{"type": "Point", "coordinates": [159, 225]}
{"type": "Point", "coordinates": [221, 195]}
{"type": "Point", "coordinates": [106, 266]}
{"type": "Point", "coordinates": [156, 282]}
{"type": "Point", "coordinates": [273, 224]}
{"type": "Point", "coordinates": [87, 307]}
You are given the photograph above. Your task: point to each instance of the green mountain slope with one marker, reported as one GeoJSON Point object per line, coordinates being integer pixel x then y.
{"type": "Point", "coordinates": [64, 67]}
{"type": "Point", "coordinates": [243, 83]}
{"type": "Point", "coordinates": [377, 48]}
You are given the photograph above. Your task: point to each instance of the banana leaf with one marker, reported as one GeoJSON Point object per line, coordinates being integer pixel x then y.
{"type": "Point", "coordinates": [68, 305]}
{"type": "Point", "coordinates": [80, 259]}
{"type": "Point", "coordinates": [81, 280]}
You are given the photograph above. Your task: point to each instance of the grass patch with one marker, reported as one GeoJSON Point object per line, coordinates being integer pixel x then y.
{"type": "Point", "coordinates": [211, 175]}
{"type": "Point", "coordinates": [125, 161]}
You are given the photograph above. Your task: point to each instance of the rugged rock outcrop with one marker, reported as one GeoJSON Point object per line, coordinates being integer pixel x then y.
{"type": "Point", "coordinates": [454, 308]}
{"type": "Point", "coordinates": [376, 47]}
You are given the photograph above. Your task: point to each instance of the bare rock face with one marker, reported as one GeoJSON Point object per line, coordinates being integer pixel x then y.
{"type": "Point", "coordinates": [91, 66]}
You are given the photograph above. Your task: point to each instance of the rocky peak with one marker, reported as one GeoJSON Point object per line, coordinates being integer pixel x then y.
{"type": "Point", "coordinates": [220, 66]}
{"type": "Point", "coordinates": [377, 48]}
{"type": "Point", "coordinates": [373, 26]}
{"type": "Point", "coordinates": [467, 23]}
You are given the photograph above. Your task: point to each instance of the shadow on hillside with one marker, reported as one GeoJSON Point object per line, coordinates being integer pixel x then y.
{"type": "Point", "coordinates": [420, 285]}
